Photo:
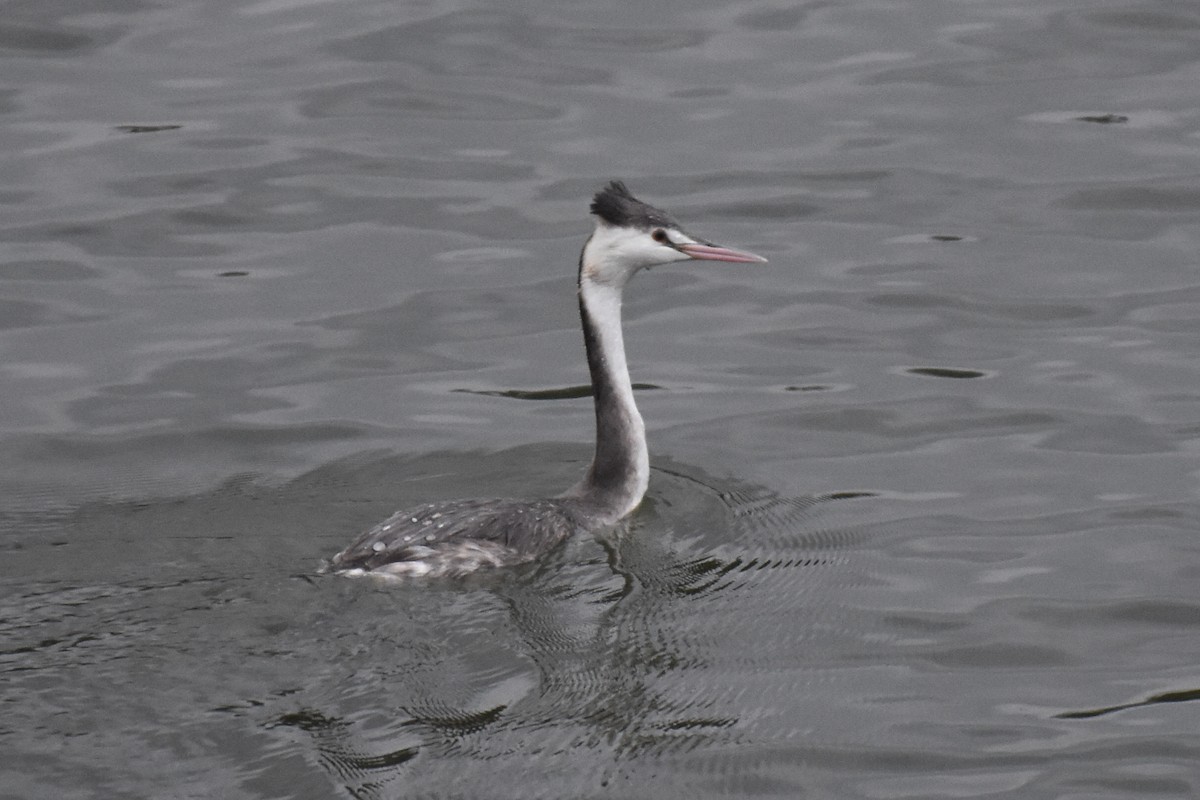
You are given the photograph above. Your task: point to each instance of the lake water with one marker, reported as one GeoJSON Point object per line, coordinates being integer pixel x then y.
{"type": "Point", "coordinates": [923, 516]}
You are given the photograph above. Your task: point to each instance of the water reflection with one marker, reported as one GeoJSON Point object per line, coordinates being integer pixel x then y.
{"type": "Point", "coordinates": [602, 657]}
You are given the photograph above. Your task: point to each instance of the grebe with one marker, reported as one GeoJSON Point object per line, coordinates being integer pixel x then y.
{"type": "Point", "coordinates": [459, 536]}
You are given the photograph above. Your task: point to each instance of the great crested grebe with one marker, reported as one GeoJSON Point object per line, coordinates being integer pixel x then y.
{"type": "Point", "coordinates": [458, 536]}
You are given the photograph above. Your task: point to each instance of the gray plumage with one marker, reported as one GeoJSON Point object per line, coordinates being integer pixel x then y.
{"type": "Point", "coordinates": [462, 536]}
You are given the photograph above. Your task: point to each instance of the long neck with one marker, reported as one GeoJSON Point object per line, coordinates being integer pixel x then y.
{"type": "Point", "coordinates": [620, 470]}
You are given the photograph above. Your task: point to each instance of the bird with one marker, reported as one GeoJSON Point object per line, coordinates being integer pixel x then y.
{"type": "Point", "coordinates": [457, 537]}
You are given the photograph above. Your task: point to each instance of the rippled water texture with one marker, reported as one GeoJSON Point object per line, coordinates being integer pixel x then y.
{"type": "Point", "coordinates": [922, 520]}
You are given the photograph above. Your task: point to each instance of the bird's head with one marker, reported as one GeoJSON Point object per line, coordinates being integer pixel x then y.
{"type": "Point", "coordinates": [631, 235]}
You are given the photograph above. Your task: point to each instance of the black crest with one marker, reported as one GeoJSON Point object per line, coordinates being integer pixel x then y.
{"type": "Point", "coordinates": [616, 206]}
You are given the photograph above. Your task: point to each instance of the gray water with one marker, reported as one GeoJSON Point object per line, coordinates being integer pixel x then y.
{"type": "Point", "coordinates": [922, 520]}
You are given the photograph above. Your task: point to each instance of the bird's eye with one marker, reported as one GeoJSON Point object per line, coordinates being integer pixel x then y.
{"type": "Point", "coordinates": [660, 236]}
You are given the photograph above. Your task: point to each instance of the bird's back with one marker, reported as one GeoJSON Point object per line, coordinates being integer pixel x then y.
{"type": "Point", "coordinates": [459, 536]}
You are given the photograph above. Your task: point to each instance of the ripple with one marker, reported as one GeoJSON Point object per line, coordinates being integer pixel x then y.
{"type": "Point", "coordinates": [17, 314]}
{"type": "Point", "coordinates": [947, 372]}
{"type": "Point", "coordinates": [819, 387]}
{"type": "Point", "coordinates": [1104, 119]}
{"type": "Point", "coordinates": [483, 254]}
{"type": "Point", "coordinates": [1074, 42]}
{"type": "Point", "coordinates": [1184, 696]}
{"type": "Point", "coordinates": [496, 44]}
{"type": "Point", "coordinates": [1129, 119]}
{"type": "Point", "coordinates": [29, 40]}
{"type": "Point", "coordinates": [1158, 198]}
{"type": "Point", "coordinates": [147, 128]}
{"type": "Point", "coordinates": [47, 270]}
{"type": "Point", "coordinates": [922, 238]}
{"type": "Point", "coordinates": [774, 19]}
{"type": "Point", "coordinates": [1031, 311]}
{"type": "Point", "coordinates": [564, 393]}
{"type": "Point", "coordinates": [386, 97]}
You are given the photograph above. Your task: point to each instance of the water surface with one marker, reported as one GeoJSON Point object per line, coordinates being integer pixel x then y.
{"type": "Point", "coordinates": [922, 519]}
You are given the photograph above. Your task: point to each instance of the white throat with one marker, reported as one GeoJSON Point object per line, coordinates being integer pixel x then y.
{"type": "Point", "coordinates": [620, 471]}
